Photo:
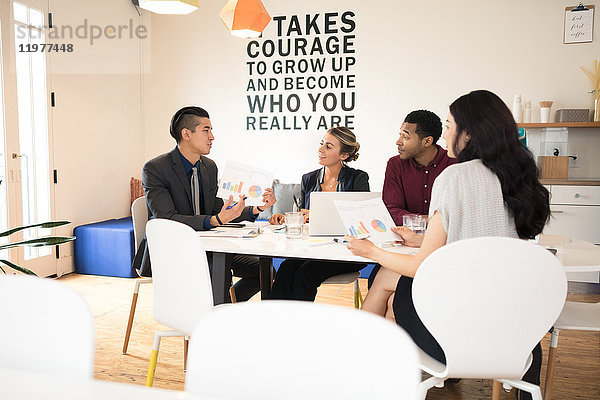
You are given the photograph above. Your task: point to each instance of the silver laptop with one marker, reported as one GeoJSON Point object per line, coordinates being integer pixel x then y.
{"type": "Point", "coordinates": [324, 218]}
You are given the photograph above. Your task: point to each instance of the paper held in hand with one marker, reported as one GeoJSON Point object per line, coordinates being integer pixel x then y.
{"type": "Point", "coordinates": [240, 179]}
{"type": "Point", "coordinates": [367, 218]}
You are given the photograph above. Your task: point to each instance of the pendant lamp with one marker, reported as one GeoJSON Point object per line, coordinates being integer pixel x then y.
{"type": "Point", "coordinates": [169, 6]}
{"type": "Point", "coordinates": [245, 18]}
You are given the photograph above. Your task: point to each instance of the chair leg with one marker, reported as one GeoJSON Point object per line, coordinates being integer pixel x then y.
{"type": "Point", "coordinates": [496, 390]}
{"type": "Point", "coordinates": [153, 359]}
{"type": "Point", "coordinates": [154, 355]}
{"type": "Point", "coordinates": [358, 300]}
{"type": "Point", "coordinates": [428, 384]}
{"type": "Point", "coordinates": [186, 343]}
{"type": "Point", "coordinates": [232, 294]}
{"type": "Point", "coordinates": [551, 371]}
{"type": "Point", "coordinates": [536, 393]}
{"type": "Point", "coordinates": [136, 291]}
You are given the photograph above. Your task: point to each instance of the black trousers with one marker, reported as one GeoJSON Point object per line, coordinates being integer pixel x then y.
{"type": "Point", "coordinates": [533, 373]}
{"type": "Point", "coordinates": [299, 279]}
{"type": "Point", "coordinates": [246, 268]}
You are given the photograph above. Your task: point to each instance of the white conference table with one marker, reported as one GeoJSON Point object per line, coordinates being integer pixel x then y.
{"type": "Point", "coordinates": [271, 244]}
{"type": "Point", "coordinates": [576, 255]}
{"type": "Point", "coordinates": [26, 385]}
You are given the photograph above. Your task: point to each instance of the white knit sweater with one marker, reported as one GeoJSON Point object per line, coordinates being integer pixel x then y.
{"type": "Point", "coordinates": [469, 200]}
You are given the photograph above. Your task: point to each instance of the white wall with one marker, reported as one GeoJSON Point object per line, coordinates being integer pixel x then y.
{"type": "Point", "coordinates": [410, 55]}
{"type": "Point", "coordinates": [96, 123]}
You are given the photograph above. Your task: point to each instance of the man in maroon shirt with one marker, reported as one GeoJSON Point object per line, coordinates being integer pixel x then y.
{"type": "Point", "coordinates": [409, 176]}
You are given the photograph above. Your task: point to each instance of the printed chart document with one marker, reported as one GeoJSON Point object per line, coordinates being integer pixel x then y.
{"type": "Point", "coordinates": [238, 179]}
{"type": "Point", "coordinates": [367, 218]}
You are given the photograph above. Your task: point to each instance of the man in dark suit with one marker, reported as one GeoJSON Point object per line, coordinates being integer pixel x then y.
{"type": "Point", "coordinates": [169, 182]}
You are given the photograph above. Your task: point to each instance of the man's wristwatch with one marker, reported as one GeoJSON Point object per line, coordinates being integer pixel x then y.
{"type": "Point", "coordinates": [258, 208]}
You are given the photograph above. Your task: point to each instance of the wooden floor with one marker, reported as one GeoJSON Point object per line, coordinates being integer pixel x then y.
{"type": "Point", "coordinates": [577, 375]}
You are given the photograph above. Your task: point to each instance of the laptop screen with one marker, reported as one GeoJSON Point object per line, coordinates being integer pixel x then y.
{"type": "Point", "coordinates": [324, 218]}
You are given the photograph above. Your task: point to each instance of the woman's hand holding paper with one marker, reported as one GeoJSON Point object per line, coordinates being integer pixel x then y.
{"type": "Point", "coordinates": [269, 198]}
{"type": "Point", "coordinates": [360, 247]}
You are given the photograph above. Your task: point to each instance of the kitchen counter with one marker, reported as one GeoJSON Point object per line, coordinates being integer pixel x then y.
{"type": "Point", "coordinates": [574, 182]}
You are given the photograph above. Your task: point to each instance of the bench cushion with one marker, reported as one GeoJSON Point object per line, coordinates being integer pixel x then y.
{"type": "Point", "coordinates": [105, 248]}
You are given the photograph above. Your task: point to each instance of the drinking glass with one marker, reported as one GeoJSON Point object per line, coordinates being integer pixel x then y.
{"type": "Point", "coordinates": [415, 223]}
{"type": "Point", "coordinates": [293, 225]}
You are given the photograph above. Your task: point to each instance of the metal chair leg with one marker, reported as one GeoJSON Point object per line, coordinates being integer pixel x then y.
{"type": "Point", "coordinates": [551, 371]}
{"type": "Point", "coordinates": [358, 300]}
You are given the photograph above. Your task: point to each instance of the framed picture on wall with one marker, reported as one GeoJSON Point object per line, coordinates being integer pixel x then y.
{"type": "Point", "coordinates": [579, 24]}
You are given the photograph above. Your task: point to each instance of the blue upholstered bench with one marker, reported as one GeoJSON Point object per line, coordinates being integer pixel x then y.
{"type": "Point", "coordinates": [105, 248]}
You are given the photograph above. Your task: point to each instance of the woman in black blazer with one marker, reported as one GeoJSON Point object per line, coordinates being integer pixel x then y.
{"type": "Point", "coordinates": [299, 279]}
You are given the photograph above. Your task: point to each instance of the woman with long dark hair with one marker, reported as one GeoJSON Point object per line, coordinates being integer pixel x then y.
{"type": "Point", "coordinates": [493, 190]}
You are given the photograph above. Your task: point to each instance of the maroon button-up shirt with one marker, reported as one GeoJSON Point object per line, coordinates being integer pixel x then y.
{"type": "Point", "coordinates": [407, 185]}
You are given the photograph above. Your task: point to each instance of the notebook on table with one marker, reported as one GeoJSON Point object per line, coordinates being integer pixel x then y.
{"type": "Point", "coordinates": [324, 217]}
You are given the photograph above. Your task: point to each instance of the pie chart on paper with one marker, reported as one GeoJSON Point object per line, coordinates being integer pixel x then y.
{"type": "Point", "coordinates": [255, 191]}
{"type": "Point", "coordinates": [378, 225]}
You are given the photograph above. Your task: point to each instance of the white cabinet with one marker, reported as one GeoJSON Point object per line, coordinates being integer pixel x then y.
{"type": "Point", "coordinates": [576, 213]}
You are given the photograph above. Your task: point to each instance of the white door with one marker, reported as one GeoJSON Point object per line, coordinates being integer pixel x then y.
{"type": "Point", "coordinates": [26, 193]}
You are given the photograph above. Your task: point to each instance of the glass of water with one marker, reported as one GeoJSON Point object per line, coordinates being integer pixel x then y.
{"type": "Point", "coordinates": [415, 223]}
{"type": "Point", "coordinates": [293, 225]}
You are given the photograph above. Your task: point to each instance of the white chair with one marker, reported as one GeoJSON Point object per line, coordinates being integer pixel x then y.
{"type": "Point", "coordinates": [181, 279]}
{"type": "Point", "coordinates": [139, 215]}
{"type": "Point", "coordinates": [466, 292]}
{"type": "Point", "coordinates": [279, 346]}
{"type": "Point", "coordinates": [47, 327]}
{"type": "Point", "coordinates": [574, 316]}
{"type": "Point", "coordinates": [345, 279]}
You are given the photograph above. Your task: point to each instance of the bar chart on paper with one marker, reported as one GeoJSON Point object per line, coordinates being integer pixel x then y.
{"type": "Point", "coordinates": [240, 179]}
{"type": "Point", "coordinates": [235, 188]}
{"type": "Point", "coordinates": [358, 230]}
{"type": "Point", "coordinates": [367, 218]}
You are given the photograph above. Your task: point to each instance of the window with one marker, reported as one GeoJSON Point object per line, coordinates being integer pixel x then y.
{"type": "Point", "coordinates": [33, 123]}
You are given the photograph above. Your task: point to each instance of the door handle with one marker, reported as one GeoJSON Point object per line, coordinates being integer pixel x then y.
{"type": "Point", "coordinates": [556, 212]}
{"type": "Point", "coordinates": [15, 155]}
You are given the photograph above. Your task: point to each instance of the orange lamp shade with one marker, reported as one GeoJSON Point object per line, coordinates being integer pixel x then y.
{"type": "Point", "coordinates": [245, 18]}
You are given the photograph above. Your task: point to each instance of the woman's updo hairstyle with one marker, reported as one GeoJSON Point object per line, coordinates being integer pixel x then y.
{"type": "Point", "coordinates": [348, 143]}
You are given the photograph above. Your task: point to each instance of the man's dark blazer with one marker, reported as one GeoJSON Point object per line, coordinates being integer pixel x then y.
{"type": "Point", "coordinates": [169, 196]}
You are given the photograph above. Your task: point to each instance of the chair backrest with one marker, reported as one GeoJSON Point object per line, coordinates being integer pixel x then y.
{"type": "Point", "coordinates": [298, 350]}
{"type": "Point", "coordinates": [284, 192]}
{"type": "Point", "coordinates": [488, 302]}
{"type": "Point", "coordinates": [180, 275]}
{"type": "Point", "coordinates": [45, 327]}
{"type": "Point", "coordinates": [139, 215]}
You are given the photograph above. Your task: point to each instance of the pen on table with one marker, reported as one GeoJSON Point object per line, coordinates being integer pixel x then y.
{"type": "Point", "coordinates": [234, 203]}
{"type": "Point", "coordinates": [341, 241]}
